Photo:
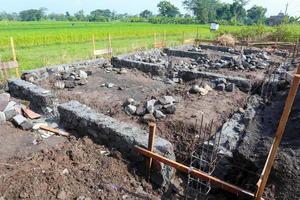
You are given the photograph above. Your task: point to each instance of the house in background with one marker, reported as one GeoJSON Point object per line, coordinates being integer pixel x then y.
{"type": "Point", "coordinates": [276, 19]}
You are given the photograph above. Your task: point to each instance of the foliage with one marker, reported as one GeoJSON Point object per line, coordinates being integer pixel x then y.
{"type": "Point", "coordinates": [172, 20]}
{"type": "Point", "coordinates": [146, 14]}
{"type": "Point", "coordinates": [32, 14]}
{"type": "Point", "coordinates": [100, 15]}
{"type": "Point", "coordinates": [256, 15]}
{"type": "Point", "coordinates": [204, 10]}
{"type": "Point", "coordinates": [166, 9]}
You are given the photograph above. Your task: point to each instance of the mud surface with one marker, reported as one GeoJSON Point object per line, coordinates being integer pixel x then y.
{"type": "Point", "coordinates": [17, 143]}
{"type": "Point", "coordinates": [76, 169]}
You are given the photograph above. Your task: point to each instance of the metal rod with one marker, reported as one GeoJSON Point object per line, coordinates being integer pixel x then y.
{"type": "Point", "coordinates": [196, 173]}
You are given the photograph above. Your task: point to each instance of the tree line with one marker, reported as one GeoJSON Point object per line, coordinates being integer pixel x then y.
{"type": "Point", "coordinates": [202, 11]}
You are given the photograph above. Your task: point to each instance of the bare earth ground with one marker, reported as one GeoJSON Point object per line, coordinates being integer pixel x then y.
{"type": "Point", "coordinates": [216, 106]}
{"type": "Point", "coordinates": [17, 143]}
{"type": "Point", "coordinates": [76, 169]}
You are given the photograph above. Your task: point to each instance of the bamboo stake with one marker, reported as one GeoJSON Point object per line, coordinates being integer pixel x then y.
{"type": "Point", "coordinates": [165, 38]}
{"type": "Point", "coordinates": [110, 46]}
{"type": "Point", "coordinates": [196, 173]}
{"type": "Point", "coordinates": [154, 40]}
{"type": "Point", "coordinates": [152, 129]}
{"type": "Point", "coordinates": [94, 47]}
{"type": "Point", "coordinates": [14, 55]}
{"type": "Point", "coordinates": [279, 133]}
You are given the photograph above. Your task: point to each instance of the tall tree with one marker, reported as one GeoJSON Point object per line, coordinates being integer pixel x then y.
{"type": "Point", "coordinates": [32, 14]}
{"type": "Point", "coordinates": [256, 15]}
{"type": "Point", "coordinates": [80, 16]}
{"type": "Point", "coordinates": [204, 10]}
{"type": "Point", "coordinates": [238, 11]}
{"type": "Point", "coordinates": [146, 14]}
{"type": "Point", "coordinates": [100, 15]}
{"type": "Point", "coordinates": [167, 9]}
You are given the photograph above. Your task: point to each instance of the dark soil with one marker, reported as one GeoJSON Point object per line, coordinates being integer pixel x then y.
{"type": "Point", "coordinates": [76, 169]}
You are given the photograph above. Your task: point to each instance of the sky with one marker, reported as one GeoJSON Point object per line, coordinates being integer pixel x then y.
{"type": "Point", "coordinates": [131, 6]}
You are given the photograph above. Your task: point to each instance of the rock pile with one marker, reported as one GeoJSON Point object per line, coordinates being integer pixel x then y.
{"type": "Point", "coordinates": [71, 79]}
{"type": "Point", "coordinates": [12, 111]}
{"type": "Point", "coordinates": [22, 117]}
{"type": "Point", "coordinates": [151, 57]}
{"type": "Point", "coordinates": [243, 62]}
{"type": "Point", "coordinates": [221, 84]}
{"type": "Point", "coordinates": [152, 109]}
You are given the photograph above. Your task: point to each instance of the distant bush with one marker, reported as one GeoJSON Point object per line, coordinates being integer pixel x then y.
{"type": "Point", "coordinates": [247, 32]}
{"type": "Point", "coordinates": [171, 20]}
{"type": "Point", "coordinates": [135, 19]}
{"type": "Point", "coordinates": [285, 33]}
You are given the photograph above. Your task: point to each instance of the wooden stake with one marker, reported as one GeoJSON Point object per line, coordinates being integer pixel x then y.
{"type": "Point", "coordinates": [152, 129]}
{"type": "Point", "coordinates": [94, 47]}
{"type": "Point", "coordinates": [110, 46]}
{"type": "Point", "coordinates": [196, 173]}
{"type": "Point", "coordinates": [14, 55]}
{"type": "Point", "coordinates": [154, 40]}
{"type": "Point", "coordinates": [279, 133]}
{"type": "Point", "coordinates": [183, 37]}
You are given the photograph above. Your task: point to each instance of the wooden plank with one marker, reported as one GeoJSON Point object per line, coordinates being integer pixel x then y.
{"type": "Point", "coordinates": [196, 173]}
{"type": "Point", "coordinates": [9, 65]}
{"type": "Point", "coordinates": [160, 44]}
{"type": "Point", "coordinates": [152, 129]}
{"type": "Point", "coordinates": [100, 52]}
{"type": "Point", "coordinates": [189, 41]}
{"type": "Point", "coordinates": [56, 131]}
{"type": "Point", "coordinates": [278, 136]}
{"type": "Point", "coordinates": [30, 114]}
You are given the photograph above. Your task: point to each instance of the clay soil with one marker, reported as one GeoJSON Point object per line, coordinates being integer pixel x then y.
{"type": "Point", "coordinates": [181, 128]}
{"type": "Point", "coordinates": [75, 169]}
{"type": "Point", "coordinates": [17, 143]}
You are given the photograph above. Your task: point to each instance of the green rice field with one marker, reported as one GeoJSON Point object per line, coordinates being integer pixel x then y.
{"type": "Point", "coordinates": [41, 44]}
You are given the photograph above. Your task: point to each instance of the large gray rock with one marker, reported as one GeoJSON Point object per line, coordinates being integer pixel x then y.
{"type": "Point", "coordinates": [4, 99]}
{"type": "Point", "coordinates": [2, 118]}
{"type": "Point", "coordinates": [120, 135]}
{"type": "Point", "coordinates": [9, 114]}
{"type": "Point", "coordinates": [18, 119]}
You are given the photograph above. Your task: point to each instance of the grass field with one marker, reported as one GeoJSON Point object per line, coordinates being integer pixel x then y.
{"type": "Point", "coordinates": [47, 43]}
{"type": "Point", "coordinates": [41, 44]}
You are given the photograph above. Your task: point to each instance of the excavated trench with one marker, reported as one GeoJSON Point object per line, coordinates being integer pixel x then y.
{"type": "Point", "coordinates": [246, 121]}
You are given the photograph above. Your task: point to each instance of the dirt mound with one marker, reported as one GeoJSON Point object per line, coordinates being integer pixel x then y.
{"type": "Point", "coordinates": [77, 169]}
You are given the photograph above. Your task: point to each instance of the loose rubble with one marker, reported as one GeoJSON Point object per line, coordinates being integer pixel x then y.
{"type": "Point", "coordinates": [151, 109]}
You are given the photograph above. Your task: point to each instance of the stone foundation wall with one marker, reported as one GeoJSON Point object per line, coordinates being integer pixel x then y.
{"type": "Point", "coordinates": [242, 83]}
{"type": "Point", "coordinates": [116, 134]}
{"type": "Point", "coordinates": [185, 54]}
{"type": "Point", "coordinates": [45, 72]}
{"type": "Point", "coordinates": [216, 48]}
{"type": "Point", "coordinates": [39, 98]}
{"type": "Point", "coordinates": [153, 69]}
